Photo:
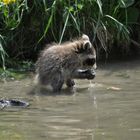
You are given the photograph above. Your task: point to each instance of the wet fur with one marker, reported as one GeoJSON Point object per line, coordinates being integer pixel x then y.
{"type": "Point", "coordinates": [57, 62]}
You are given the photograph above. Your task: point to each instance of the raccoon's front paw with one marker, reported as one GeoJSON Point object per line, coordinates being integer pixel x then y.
{"type": "Point", "coordinates": [90, 74]}
{"type": "Point", "coordinates": [70, 83]}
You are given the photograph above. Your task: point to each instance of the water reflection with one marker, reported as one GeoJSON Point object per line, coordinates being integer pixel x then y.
{"type": "Point", "coordinates": [106, 108]}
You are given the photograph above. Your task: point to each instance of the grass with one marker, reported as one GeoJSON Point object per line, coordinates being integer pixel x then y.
{"type": "Point", "coordinates": [25, 26]}
{"type": "Point", "coordinates": [18, 70]}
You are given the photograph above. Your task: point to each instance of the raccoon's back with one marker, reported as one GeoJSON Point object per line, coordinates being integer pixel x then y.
{"type": "Point", "coordinates": [57, 58]}
{"type": "Point", "coordinates": [48, 62]}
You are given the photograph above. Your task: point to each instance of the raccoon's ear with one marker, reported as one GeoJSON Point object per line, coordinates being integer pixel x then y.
{"type": "Point", "coordinates": [85, 37]}
{"type": "Point", "coordinates": [87, 45]}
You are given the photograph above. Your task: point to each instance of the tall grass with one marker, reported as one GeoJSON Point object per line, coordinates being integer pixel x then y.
{"type": "Point", "coordinates": [2, 53]}
{"type": "Point", "coordinates": [26, 25]}
{"type": "Point", "coordinates": [11, 12]}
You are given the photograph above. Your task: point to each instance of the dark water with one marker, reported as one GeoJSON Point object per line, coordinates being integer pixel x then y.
{"type": "Point", "coordinates": [107, 108]}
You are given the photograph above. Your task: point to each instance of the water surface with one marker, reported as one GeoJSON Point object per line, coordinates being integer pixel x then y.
{"type": "Point", "coordinates": [107, 108]}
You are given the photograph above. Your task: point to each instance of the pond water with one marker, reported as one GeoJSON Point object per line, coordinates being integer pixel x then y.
{"type": "Point", "coordinates": [107, 108]}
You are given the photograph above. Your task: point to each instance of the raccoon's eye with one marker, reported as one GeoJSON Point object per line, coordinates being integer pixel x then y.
{"type": "Point", "coordinates": [89, 61]}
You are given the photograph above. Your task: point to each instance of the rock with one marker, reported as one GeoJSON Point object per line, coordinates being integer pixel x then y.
{"type": "Point", "coordinates": [12, 103]}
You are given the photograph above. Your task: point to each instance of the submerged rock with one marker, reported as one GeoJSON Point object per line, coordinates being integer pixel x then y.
{"type": "Point", "coordinates": [12, 103]}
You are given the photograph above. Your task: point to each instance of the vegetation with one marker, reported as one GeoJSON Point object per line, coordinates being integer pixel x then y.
{"type": "Point", "coordinates": [26, 25]}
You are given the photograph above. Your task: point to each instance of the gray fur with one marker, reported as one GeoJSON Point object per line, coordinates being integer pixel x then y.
{"type": "Point", "coordinates": [57, 63]}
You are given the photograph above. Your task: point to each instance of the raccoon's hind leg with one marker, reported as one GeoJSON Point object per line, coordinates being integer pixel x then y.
{"type": "Point", "coordinates": [57, 82]}
{"type": "Point", "coordinates": [70, 82]}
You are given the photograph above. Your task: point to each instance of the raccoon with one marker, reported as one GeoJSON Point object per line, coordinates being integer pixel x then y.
{"type": "Point", "coordinates": [59, 63]}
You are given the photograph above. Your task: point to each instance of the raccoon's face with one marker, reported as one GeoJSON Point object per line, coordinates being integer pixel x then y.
{"type": "Point", "coordinates": [87, 54]}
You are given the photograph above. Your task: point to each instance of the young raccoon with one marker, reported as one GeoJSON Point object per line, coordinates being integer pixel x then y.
{"type": "Point", "coordinates": [60, 62]}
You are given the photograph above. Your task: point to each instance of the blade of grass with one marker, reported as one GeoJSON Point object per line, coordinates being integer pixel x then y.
{"type": "Point", "coordinates": [120, 25]}
{"type": "Point", "coordinates": [74, 19]}
{"type": "Point", "coordinates": [47, 27]}
{"type": "Point", "coordinates": [64, 28]}
{"type": "Point", "coordinates": [49, 21]}
{"type": "Point", "coordinates": [99, 3]}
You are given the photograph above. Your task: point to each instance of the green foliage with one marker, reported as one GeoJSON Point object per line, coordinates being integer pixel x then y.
{"type": "Point", "coordinates": [2, 53]}
{"type": "Point", "coordinates": [11, 12]}
{"type": "Point", "coordinates": [25, 25]}
{"type": "Point", "coordinates": [18, 70]}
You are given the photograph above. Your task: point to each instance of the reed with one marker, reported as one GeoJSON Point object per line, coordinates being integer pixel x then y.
{"type": "Point", "coordinates": [25, 25]}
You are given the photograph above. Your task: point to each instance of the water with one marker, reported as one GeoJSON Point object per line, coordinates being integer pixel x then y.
{"type": "Point", "coordinates": [107, 108]}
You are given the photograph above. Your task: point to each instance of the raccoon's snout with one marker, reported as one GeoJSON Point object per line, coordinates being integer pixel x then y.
{"type": "Point", "coordinates": [89, 61]}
